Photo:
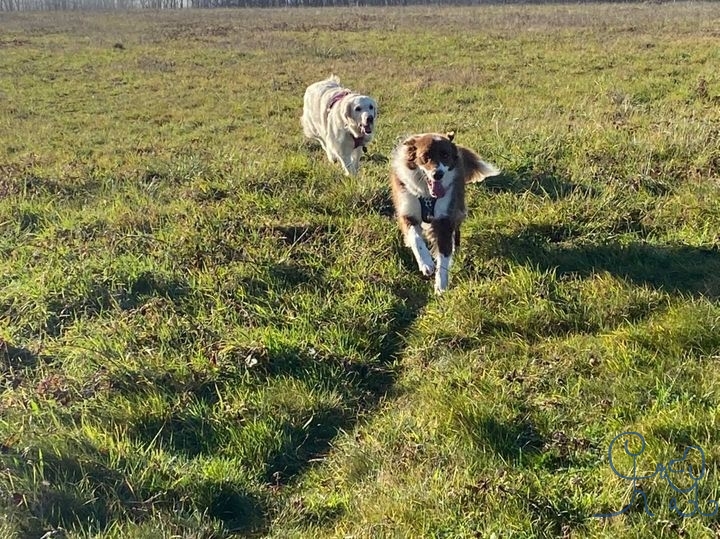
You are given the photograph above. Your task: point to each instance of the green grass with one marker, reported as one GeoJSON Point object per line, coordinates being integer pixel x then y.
{"type": "Point", "coordinates": [207, 331]}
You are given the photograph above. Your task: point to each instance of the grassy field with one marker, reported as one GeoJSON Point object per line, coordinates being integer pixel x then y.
{"type": "Point", "coordinates": [207, 331]}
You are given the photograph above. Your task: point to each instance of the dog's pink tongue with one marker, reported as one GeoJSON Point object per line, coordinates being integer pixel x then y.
{"type": "Point", "coordinates": [436, 189]}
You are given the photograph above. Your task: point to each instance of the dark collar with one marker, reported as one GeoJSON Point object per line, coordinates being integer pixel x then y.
{"type": "Point", "coordinates": [427, 208]}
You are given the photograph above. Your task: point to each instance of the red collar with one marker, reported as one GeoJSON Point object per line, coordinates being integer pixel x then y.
{"type": "Point", "coordinates": [337, 97]}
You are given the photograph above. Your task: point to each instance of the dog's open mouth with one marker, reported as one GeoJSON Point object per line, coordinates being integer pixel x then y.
{"type": "Point", "coordinates": [436, 188]}
{"type": "Point", "coordinates": [366, 129]}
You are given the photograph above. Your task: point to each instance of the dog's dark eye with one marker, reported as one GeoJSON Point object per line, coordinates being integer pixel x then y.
{"type": "Point", "coordinates": [444, 155]}
{"type": "Point", "coordinates": [358, 108]}
{"type": "Point", "coordinates": [371, 107]}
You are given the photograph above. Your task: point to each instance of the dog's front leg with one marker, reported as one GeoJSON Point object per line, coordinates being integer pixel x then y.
{"type": "Point", "coordinates": [414, 240]}
{"type": "Point", "coordinates": [351, 168]}
{"type": "Point", "coordinates": [442, 233]}
{"type": "Point", "coordinates": [339, 150]}
{"type": "Point", "coordinates": [349, 163]}
{"type": "Point", "coordinates": [351, 156]}
{"type": "Point", "coordinates": [355, 158]}
{"type": "Point", "coordinates": [328, 151]}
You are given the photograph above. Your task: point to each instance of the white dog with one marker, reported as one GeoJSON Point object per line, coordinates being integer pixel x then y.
{"type": "Point", "coordinates": [341, 120]}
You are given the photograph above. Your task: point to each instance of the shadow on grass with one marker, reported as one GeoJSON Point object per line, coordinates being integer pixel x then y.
{"type": "Point", "coordinates": [362, 383]}
{"type": "Point", "coordinates": [555, 518]}
{"type": "Point", "coordinates": [513, 440]}
{"type": "Point", "coordinates": [303, 439]}
{"type": "Point", "coordinates": [239, 511]}
{"type": "Point", "coordinates": [678, 269]}
{"type": "Point", "coordinates": [295, 440]}
{"type": "Point", "coordinates": [15, 356]}
{"type": "Point", "coordinates": [187, 428]}
{"type": "Point", "coordinates": [59, 499]}
{"type": "Point", "coordinates": [527, 180]}
{"type": "Point", "coordinates": [15, 363]}
{"type": "Point", "coordinates": [81, 489]}
{"type": "Point", "coordinates": [67, 307]}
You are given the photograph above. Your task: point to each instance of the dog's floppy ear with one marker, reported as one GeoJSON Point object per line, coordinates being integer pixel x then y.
{"type": "Point", "coordinates": [450, 136]}
{"type": "Point", "coordinates": [349, 112]}
{"type": "Point", "coordinates": [411, 152]}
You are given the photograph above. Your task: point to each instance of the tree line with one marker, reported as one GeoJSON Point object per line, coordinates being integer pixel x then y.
{"type": "Point", "coordinates": [61, 5]}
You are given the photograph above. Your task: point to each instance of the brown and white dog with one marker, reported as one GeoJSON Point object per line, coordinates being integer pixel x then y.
{"type": "Point", "coordinates": [341, 120]}
{"type": "Point", "coordinates": [428, 178]}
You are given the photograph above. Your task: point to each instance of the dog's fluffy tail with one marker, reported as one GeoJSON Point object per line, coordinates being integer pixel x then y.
{"type": "Point", "coordinates": [476, 168]}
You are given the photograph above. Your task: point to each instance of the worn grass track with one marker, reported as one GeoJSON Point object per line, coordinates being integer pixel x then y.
{"type": "Point", "coordinates": [206, 331]}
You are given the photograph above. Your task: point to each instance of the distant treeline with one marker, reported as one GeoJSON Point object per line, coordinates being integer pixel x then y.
{"type": "Point", "coordinates": [53, 5]}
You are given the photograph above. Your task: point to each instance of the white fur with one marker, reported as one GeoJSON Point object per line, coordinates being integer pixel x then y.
{"type": "Point", "coordinates": [415, 241]}
{"type": "Point", "coordinates": [334, 127]}
{"type": "Point", "coordinates": [442, 277]}
{"type": "Point", "coordinates": [409, 204]}
{"type": "Point", "coordinates": [410, 178]}
{"type": "Point", "coordinates": [442, 205]}
{"type": "Point", "coordinates": [442, 167]}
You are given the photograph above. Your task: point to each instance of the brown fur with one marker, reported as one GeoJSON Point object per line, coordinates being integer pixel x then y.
{"type": "Point", "coordinates": [416, 164]}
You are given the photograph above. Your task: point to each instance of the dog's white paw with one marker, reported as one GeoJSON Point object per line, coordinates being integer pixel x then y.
{"type": "Point", "coordinates": [427, 268]}
{"type": "Point", "coordinates": [441, 282]}
{"type": "Point", "coordinates": [424, 259]}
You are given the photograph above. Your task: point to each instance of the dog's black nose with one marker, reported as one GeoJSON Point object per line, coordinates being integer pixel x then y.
{"type": "Point", "coordinates": [438, 175]}
{"type": "Point", "coordinates": [370, 119]}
